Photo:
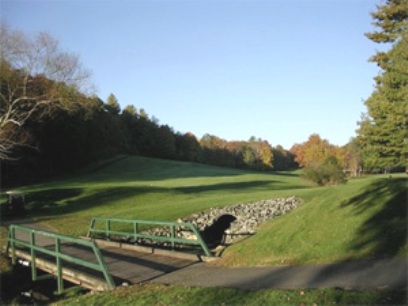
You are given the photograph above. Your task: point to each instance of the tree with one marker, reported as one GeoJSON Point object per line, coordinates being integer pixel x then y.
{"type": "Point", "coordinates": [329, 172]}
{"type": "Point", "coordinates": [353, 157]}
{"type": "Point", "coordinates": [383, 129]}
{"type": "Point", "coordinates": [188, 147]}
{"type": "Point", "coordinates": [248, 156]}
{"type": "Point", "coordinates": [323, 162]}
{"type": "Point", "coordinates": [282, 159]}
{"type": "Point", "coordinates": [36, 77]}
{"type": "Point", "coordinates": [165, 142]}
{"type": "Point", "coordinates": [314, 151]}
{"type": "Point", "coordinates": [112, 105]}
{"type": "Point", "coordinates": [130, 111]}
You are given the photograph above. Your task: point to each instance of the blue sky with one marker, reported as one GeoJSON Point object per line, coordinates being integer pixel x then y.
{"type": "Point", "coordinates": [279, 70]}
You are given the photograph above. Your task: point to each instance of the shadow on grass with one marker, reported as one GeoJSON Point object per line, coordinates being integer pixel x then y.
{"type": "Point", "coordinates": [385, 232]}
{"type": "Point", "coordinates": [255, 185]}
{"type": "Point", "coordinates": [70, 200]}
{"type": "Point", "coordinates": [49, 198]}
{"type": "Point", "coordinates": [334, 296]}
{"type": "Point", "coordinates": [62, 201]}
{"type": "Point", "coordinates": [137, 168]}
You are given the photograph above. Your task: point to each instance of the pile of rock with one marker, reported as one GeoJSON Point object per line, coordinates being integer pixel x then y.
{"type": "Point", "coordinates": [246, 217]}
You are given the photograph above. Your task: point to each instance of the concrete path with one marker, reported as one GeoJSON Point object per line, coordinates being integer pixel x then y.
{"type": "Point", "coordinates": [375, 274]}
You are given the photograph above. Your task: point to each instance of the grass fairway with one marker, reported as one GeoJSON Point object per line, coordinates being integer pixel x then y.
{"type": "Point", "coordinates": [366, 218]}
{"type": "Point", "coordinates": [152, 189]}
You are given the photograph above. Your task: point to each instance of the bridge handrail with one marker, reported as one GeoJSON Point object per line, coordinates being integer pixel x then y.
{"type": "Point", "coordinates": [58, 253]}
{"type": "Point", "coordinates": [107, 230]}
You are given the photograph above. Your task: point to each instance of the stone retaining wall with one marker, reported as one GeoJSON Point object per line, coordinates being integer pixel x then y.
{"type": "Point", "coordinates": [238, 220]}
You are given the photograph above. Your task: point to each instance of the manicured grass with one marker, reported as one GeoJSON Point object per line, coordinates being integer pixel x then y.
{"type": "Point", "coordinates": [153, 294]}
{"type": "Point", "coordinates": [143, 188]}
{"type": "Point", "coordinates": [366, 218]}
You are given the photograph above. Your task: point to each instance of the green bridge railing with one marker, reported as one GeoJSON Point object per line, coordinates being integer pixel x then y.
{"type": "Point", "coordinates": [106, 226]}
{"type": "Point", "coordinates": [55, 251]}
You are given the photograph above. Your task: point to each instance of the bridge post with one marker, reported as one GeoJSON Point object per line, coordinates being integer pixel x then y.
{"type": "Point", "coordinates": [33, 257]}
{"type": "Point", "coordinates": [91, 226]}
{"type": "Point", "coordinates": [172, 236]}
{"type": "Point", "coordinates": [102, 264]}
{"type": "Point", "coordinates": [108, 229]}
{"type": "Point", "coordinates": [200, 239]}
{"type": "Point", "coordinates": [13, 246]}
{"type": "Point", "coordinates": [135, 230]}
{"type": "Point", "coordinates": [60, 280]}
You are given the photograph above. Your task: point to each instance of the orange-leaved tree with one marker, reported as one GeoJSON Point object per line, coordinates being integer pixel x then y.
{"type": "Point", "coordinates": [322, 161]}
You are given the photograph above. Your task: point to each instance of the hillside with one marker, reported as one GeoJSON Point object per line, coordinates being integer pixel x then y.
{"type": "Point", "coordinates": [365, 218]}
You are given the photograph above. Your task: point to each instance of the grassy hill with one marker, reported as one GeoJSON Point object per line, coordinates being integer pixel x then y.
{"type": "Point", "coordinates": [143, 188]}
{"type": "Point", "coordinates": [365, 218]}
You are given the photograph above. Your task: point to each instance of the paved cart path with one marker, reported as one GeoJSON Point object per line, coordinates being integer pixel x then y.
{"type": "Point", "coordinates": [373, 274]}
{"type": "Point", "coordinates": [135, 267]}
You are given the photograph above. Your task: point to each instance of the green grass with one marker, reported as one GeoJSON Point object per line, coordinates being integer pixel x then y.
{"type": "Point", "coordinates": [143, 188]}
{"type": "Point", "coordinates": [366, 218]}
{"type": "Point", "coordinates": [152, 294]}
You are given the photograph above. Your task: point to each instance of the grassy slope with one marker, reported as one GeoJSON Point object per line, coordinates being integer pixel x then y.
{"type": "Point", "coordinates": [143, 188]}
{"type": "Point", "coordinates": [364, 218]}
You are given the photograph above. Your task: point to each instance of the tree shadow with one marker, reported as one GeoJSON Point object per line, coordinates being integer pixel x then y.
{"type": "Point", "coordinates": [49, 198]}
{"type": "Point", "coordinates": [70, 200]}
{"type": "Point", "coordinates": [261, 184]}
{"type": "Point", "coordinates": [138, 168]}
{"type": "Point", "coordinates": [385, 232]}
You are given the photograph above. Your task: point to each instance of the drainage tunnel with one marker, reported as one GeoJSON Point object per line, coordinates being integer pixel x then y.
{"type": "Point", "coordinates": [214, 234]}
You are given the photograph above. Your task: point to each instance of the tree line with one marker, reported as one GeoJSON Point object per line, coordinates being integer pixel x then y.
{"type": "Point", "coordinates": [49, 125]}
{"type": "Point", "coordinates": [63, 141]}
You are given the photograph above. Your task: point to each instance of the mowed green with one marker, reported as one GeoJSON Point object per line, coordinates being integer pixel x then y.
{"type": "Point", "coordinates": [366, 218]}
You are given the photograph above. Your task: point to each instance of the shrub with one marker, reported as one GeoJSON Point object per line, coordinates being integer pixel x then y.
{"type": "Point", "coordinates": [329, 172]}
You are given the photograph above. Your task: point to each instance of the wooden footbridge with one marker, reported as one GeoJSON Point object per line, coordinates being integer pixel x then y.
{"type": "Point", "coordinates": [102, 264]}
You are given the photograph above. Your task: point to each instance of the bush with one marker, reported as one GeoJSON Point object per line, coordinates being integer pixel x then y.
{"type": "Point", "coordinates": [329, 172]}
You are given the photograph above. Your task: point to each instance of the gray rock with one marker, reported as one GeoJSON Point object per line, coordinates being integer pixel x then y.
{"type": "Point", "coordinates": [248, 217]}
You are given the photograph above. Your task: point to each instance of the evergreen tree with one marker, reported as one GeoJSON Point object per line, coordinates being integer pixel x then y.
{"type": "Point", "coordinates": [383, 130]}
{"type": "Point", "coordinates": [112, 105]}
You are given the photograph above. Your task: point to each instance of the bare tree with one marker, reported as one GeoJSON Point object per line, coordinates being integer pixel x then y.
{"type": "Point", "coordinates": [36, 77]}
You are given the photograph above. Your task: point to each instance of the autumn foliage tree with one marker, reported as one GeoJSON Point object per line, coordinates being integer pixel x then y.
{"type": "Point", "coordinates": [254, 154]}
{"type": "Point", "coordinates": [322, 161]}
{"type": "Point", "coordinates": [314, 151]}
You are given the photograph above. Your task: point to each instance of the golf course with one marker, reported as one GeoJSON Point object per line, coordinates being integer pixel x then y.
{"type": "Point", "coordinates": [362, 219]}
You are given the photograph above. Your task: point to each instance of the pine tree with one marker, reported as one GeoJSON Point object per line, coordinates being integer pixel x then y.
{"type": "Point", "coordinates": [383, 130]}
{"type": "Point", "coordinates": [112, 105]}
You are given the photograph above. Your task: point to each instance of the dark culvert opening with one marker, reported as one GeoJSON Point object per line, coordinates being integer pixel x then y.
{"type": "Point", "coordinates": [213, 235]}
